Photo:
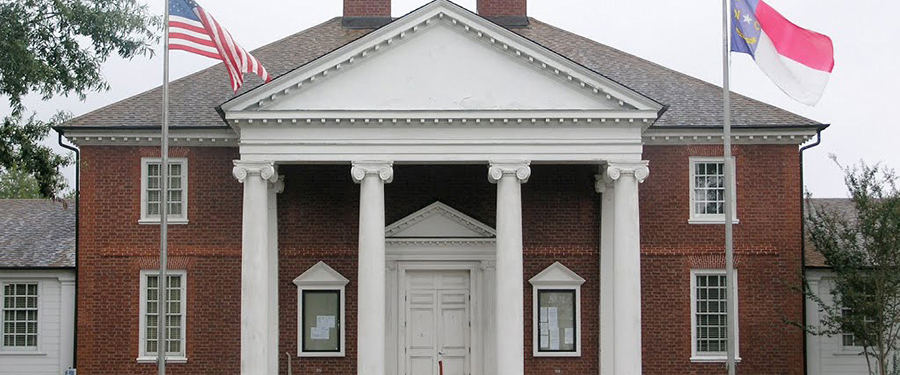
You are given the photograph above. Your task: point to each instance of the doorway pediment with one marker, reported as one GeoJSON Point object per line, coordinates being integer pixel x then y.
{"type": "Point", "coordinates": [436, 221]}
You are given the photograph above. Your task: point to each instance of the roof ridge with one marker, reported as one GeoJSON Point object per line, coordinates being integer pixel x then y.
{"type": "Point", "coordinates": [671, 70]}
{"type": "Point", "coordinates": [204, 70]}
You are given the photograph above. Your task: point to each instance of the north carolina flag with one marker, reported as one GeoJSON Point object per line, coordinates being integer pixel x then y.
{"type": "Point", "coordinates": [799, 61]}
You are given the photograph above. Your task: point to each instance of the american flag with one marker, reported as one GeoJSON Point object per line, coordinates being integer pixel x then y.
{"type": "Point", "coordinates": [194, 30]}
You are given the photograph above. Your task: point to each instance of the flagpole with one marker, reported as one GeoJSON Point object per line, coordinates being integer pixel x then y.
{"type": "Point", "coordinates": [162, 291]}
{"type": "Point", "coordinates": [729, 199]}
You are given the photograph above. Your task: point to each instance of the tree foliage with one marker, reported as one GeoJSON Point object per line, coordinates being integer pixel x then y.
{"type": "Point", "coordinates": [56, 47]}
{"type": "Point", "coordinates": [21, 150]}
{"type": "Point", "coordinates": [15, 184]}
{"type": "Point", "coordinates": [864, 255]}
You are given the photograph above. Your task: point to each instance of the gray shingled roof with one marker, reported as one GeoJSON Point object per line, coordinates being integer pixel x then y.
{"type": "Point", "coordinates": [36, 233]}
{"type": "Point", "coordinates": [842, 206]}
{"type": "Point", "coordinates": [691, 101]}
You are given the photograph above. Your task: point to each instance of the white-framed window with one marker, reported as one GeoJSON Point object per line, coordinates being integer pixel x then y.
{"type": "Point", "coordinates": [20, 316]}
{"type": "Point", "coordinates": [849, 341]}
{"type": "Point", "coordinates": [556, 314]}
{"type": "Point", "coordinates": [151, 194]}
{"type": "Point", "coordinates": [708, 191]}
{"type": "Point", "coordinates": [320, 312]}
{"type": "Point", "coordinates": [708, 316]}
{"type": "Point", "coordinates": [176, 305]}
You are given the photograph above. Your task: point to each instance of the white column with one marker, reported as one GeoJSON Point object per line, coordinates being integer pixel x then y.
{"type": "Point", "coordinates": [67, 323]}
{"type": "Point", "coordinates": [275, 188]}
{"type": "Point", "coordinates": [627, 266]}
{"type": "Point", "coordinates": [255, 267]}
{"type": "Point", "coordinates": [371, 315]}
{"type": "Point", "coordinates": [509, 310]}
{"type": "Point", "coordinates": [605, 186]}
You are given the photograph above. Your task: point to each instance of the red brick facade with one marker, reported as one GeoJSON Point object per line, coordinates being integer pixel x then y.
{"type": "Point", "coordinates": [367, 8]}
{"type": "Point", "coordinates": [495, 8]}
{"type": "Point", "coordinates": [318, 221]}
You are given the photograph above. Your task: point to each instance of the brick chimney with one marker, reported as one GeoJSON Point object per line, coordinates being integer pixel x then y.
{"type": "Point", "coordinates": [509, 13]}
{"type": "Point", "coordinates": [366, 14]}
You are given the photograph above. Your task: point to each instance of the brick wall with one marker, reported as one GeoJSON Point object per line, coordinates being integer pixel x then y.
{"type": "Point", "coordinates": [494, 8]}
{"type": "Point", "coordinates": [318, 221]}
{"type": "Point", "coordinates": [767, 248]}
{"type": "Point", "coordinates": [114, 248]}
{"type": "Point", "coordinates": [367, 8]}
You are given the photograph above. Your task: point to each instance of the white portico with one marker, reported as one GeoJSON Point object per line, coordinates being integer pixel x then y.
{"type": "Point", "coordinates": [442, 86]}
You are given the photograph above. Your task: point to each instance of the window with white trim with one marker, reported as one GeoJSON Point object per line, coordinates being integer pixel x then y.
{"type": "Point", "coordinates": [20, 316]}
{"type": "Point", "coordinates": [708, 190]}
{"type": "Point", "coordinates": [556, 314]}
{"type": "Point", "coordinates": [151, 193]}
{"type": "Point", "coordinates": [320, 312]}
{"type": "Point", "coordinates": [709, 309]}
{"type": "Point", "coordinates": [176, 301]}
{"type": "Point", "coordinates": [849, 341]}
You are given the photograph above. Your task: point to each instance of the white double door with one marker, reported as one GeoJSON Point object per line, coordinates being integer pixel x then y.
{"type": "Point", "coordinates": [437, 318]}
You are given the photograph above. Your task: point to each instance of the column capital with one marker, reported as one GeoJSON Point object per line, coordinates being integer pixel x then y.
{"type": "Point", "coordinates": [277, 185]}
{"type": "Point", "coordinates": [639, 169]}
{"type": "Point", "coordinates": [602, 182]}
{"type": "Point", "coordinates": [520, 169]}
{"type": "Point", "coordinates": [265, 169]}
{"type": "Point", "coordinates": [383, 169]}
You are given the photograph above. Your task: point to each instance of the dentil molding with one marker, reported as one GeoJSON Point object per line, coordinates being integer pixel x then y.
{"type": "Point", "coordinates": [519, 169]}
{"type": "Point", "coordinates": [383, 169]}
{"type": "Point", "coordinates": [266, 170]}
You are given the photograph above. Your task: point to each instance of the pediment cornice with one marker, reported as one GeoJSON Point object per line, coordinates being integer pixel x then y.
{"type": "Point", "coordinates": [477, 229]}
{"type": "Point", "coordinates": [257, 103]}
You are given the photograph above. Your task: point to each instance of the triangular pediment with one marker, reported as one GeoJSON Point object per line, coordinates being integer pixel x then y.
{"type": "Point", "coordinates": [438, 220]}
{"type": "Point", "coordinates": [321, 274]}
{"type": "Point", "coordinates": [440, 57]}
{"type": "Point", "coordinates": [556, 275]}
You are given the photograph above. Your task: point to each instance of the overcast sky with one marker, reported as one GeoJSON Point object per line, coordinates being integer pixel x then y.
{"type": "Point", "coordinates": [682, 35]}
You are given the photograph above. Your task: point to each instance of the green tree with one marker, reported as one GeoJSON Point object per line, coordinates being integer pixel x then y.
{"type": "Point", "coordinates": [15, 184]}
{"type": "Point", "coordinates": [56, 47]}
{"type": "Point", "coordinates": [864, 255]}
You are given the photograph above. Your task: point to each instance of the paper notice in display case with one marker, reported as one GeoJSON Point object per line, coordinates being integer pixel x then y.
{"type": "Point", "coordinates": [325, 321]}
{"type": "Point", "coordinates": [570, 336]}
{"type": "Point", "coordinates": [545, 341]}
{"type": "Point", "coordinates": [553, 316]}
{"type": "Point", "coordinates": [319, 333]}
{"type": "Point", "coordinates": [554, 338]}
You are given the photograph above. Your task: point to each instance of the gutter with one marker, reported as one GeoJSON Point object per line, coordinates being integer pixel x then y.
{"type": "Point", "coordinates": [38, 269]}
{"type": "Point", "coordinates": [60, 132]}
{"type": "Point", "coordinates": [803, 244]}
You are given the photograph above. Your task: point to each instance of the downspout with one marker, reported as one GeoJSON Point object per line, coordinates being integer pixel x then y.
{"type": "Point", "coordinates": [803, 246]}
{"type": "Point", "coordinates": [77, 230]}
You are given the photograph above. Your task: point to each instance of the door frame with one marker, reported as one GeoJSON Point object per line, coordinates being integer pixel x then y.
{"type": "Point", "coordinates": [479, 315]}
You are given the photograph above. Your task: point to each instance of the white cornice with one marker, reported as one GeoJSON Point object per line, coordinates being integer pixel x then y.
{"type": "Point", "coordinates": [220, 137]}
{"type": "Point", "coordinates": [242, 118]}
{"type": "Point", "coordinates": [762, 135]}
{"type": "Point", "coordinates": [415, 23]}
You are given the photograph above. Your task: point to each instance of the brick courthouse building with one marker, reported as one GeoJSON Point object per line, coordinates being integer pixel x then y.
{"type": "Point", "coordinates": [484, 189]}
